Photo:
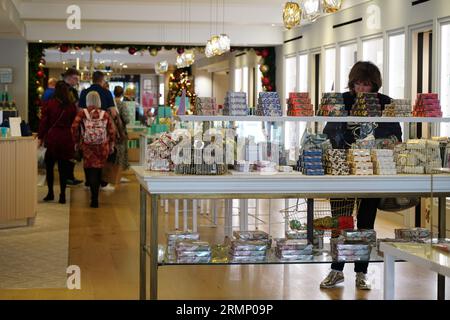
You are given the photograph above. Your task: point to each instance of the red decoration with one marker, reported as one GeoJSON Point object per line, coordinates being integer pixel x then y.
{"type": "Point", "coordinates": [132, 50]}
{"type": "Point", "coordinates": [64, 48]}
{"type": "Point", "coordinates": [180, 50]}
{"type": "Point", "coordinates": [258, 52]}
{"type": "Point", "coordinates": [266, 81]}
{"type": "Point", "coordinates": [346, 223]}
{"type": "Point", "coordinates": [40, 74]}
{"type": "Point", "coordinates": [265, 53]}
{"type": "Point", "coordinates": [269, 88]}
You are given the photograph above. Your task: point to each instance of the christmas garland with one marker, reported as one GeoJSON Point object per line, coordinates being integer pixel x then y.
{"type": "Point", "coordinates": [36, 67]}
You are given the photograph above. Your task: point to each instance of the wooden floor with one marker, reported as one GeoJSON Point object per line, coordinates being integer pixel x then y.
{"type": "Point", "coordinates": [104, 243]}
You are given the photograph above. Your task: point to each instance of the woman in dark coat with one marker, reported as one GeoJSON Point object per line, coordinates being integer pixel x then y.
{"type": "Point", "coordinates": [365, 77]}
{"type": "Point", "coordinates": [55, 133]}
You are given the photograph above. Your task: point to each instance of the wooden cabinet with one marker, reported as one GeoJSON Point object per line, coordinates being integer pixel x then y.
{"type": "Point", "coordinates": [18, 179]}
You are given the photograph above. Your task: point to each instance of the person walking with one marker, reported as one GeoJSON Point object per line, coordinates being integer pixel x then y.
{"type": "Point", "coordinates": [50, 91]}
{"type": "Point", "coordinates": [93, 133]}
{"type": "Point", "coordinates": [55, 133]}
{"type": "Point", "coordinates": [365, 77]}
{"type": "Point", "coordinates": [121, 121]}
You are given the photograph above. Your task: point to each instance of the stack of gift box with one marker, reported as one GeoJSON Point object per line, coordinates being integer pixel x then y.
{"type": "Point", "coordinates": [206, 106]}
{"type": "Point", "coordinates": [236, 104]}
{"type": "Point", "coordinates": [414, 234]}
{"type": "Point", "coordinates": [366, 105]}
{"type": "Point", "coordinates": [332, 105]}
{"type": "Point", "coordinates": [249, 246]}
{"type": "Point", "coordinates": [352, 245]}
{"type": "Point", "coordinates": [175, 236]}
{"type": "Point", "coordinates": [398, 108]}
{"type": "Point", "coordinates": [158, 153]}
{"type": "Point", "coordinates": [311, 163]}
{"type": "Point", "coordinates": [360, 162]}
{"type": "Point", "coordinates": [427, 105]}
{"type": "Point", "coordinates": [418, 156]}
{"type": "Point", "coordinates": [269, 105]}
{"type": "Point", "coordinates": [336, 162]}
{"type": "Point", "coordinates": [193, 251]}
{"type": "Point", "coordinates": [384, 163]}
{"type": "Point", "coordinates": [299, 105]}
{"type": "Point", "coordinates": [162, 121]}
{"type": "Point", "coordinates": [299, 232]}
{"type": "Point", "coordinates": [293, 250]}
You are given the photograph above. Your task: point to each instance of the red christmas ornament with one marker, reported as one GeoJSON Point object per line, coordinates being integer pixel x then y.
{"type": "Point", "coordinates": [269, 88]}
{"type": "Point", "coordinates": [132, 50]}
{"type": "Point", "coordinates": [266, 81]}
{"type": "Point", "coordinates": [265, 53]}
{"type": "Point", "coordinates": [180, 50]}
{"type": "Point", "coordinates": [258, 52]}
{"type": "Point", "coordinates": [64, 48]}
{"type": "Point", "coordinates": [40, 74]}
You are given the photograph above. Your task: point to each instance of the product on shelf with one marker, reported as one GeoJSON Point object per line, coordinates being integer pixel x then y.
{"type": "Point", "coordinates": [366, 105]}
{"type": "Point", "coordinates": [206, 106]}
{"type": "Point", "coordinates": [293, 250]}
{"type": "Point", "coordinates": [414, 234]}
{"type": "Point", "coordinates": [266, 166]}
{"type": "Point", "coordinates": [334, 223]}
{"type": "Point", "coordinates": [269, 105]}
{"type": "Point", "coordinates": [427, 105]}
{"type": "Point", "coordinates": [251, 235]}
{"type": "Point", "coordinates": [174, 236]}
{"type": "Point", "coordinates": [249, 250]}
{"type": "Point", "coordinates": [332, 105]}
{"type": "Point", "coordinates": [285, 169]}
{"type": "Point", "coordinates": [242, 166]}
{"type": "Point", "coordinates": [158, 157]}
{"type": "Point", "coordinates": [418, 156]}
{"type": "Point", "coordinates": [384, 163]}
{"type": "Point", "coordinates": [299, 105]}
{"type": "Point", "coordinates": [336, 162]}
{"type": "Point", "coordinates": [360, 162]}
{"type": "Point", "coordinates": [236, 104]}
{"type": "Point", "coordinates": [346, 251]}
{"type": "Point", "coordinates": [360, 235]}
{"type": "Point", "coordinates": [193, 251]}
{"type": "Point", "coordinates": [398, 108]}
{"type": "Point", "coordinates": [311, 163]}
{"type": "Point", "coordinates": [162, 121]}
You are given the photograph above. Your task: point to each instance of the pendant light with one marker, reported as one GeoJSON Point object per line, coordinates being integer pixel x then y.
{"type": "Point", "coordinates": [161, 67]}
{"type": "Point", "coordinates": [332, 6]}
{"type": "Point", "coordinates": [311, 9]}
{"type": "Point", "coordinates": [291, 15]}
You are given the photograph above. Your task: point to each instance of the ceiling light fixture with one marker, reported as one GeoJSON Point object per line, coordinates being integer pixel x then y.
{"type": "Point", "coordinates": [291, 15]}
{"type": "Point", "coordinates": [309, 10]}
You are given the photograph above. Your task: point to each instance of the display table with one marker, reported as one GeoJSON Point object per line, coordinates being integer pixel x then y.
{"type": "Point", "coordinates": [264, 186]}
{"type": "Point", "coordinates": [422, 255]}
{"type": "Point", "coordinates": [18, 183]}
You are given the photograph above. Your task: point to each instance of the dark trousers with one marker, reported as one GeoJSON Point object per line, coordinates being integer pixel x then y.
{"type": "Point", "coordinates": [63, 169]}
{"type": "Point", "coordinates": [365, 220]}
{"type": "Point", "coordinates": [102, 182]}
{"type": "Point", "coordinates": [71, 173]}
{"type": "Point", "coordinates": [93, 178]}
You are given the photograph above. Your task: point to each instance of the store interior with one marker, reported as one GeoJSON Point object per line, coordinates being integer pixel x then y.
{"type": "Point", "coordinates": [176, 86]}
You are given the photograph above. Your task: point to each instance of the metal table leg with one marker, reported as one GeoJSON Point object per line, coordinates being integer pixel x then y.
{"type": "Point", "coordinates": [442, 224]}
{"type": "Point", "coordinates": [154, 248]}
{"type": "Point", "coordinates": [310, 220]}
{"type": "Point", "coordinates": [143, 239]}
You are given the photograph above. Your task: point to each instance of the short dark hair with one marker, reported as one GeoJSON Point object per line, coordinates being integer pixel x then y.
{"type": "Point", "coordinates": [98, 76]}
{"type": "Point", "coordinates": [365, 71]}
{"type": "Point", "coordinates": [118, 91]}
{"type": "Point", "coordinates": [62, 93]}
{"type": "Point", "coordinates": [71, 72]}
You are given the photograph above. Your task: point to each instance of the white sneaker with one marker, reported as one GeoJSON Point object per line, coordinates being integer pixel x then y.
{"type": "Point", "coordinates": [108, 187]}
{"type": "Point", "coordinates": [125, 180]}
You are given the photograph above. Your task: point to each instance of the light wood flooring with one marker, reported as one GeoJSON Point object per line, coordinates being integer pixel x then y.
{"type": "Point", "coordinates": [104, 243]}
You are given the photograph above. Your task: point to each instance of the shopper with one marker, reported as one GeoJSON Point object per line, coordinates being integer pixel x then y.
{"type": "Point", "coordinates": [364, 77]}
{"type": "Point", "coordinates": [55, 134]}
{"type": "Point", "coordinates": [50, 91]}
{"type": "Point", "coordinates": [107, 104]}
{"type": "Point", "coordinates": [96, 141]}
{"type": "Point", "coordinates": [121, 121]}
{"type": "Point", "coordinates": [72, 78]}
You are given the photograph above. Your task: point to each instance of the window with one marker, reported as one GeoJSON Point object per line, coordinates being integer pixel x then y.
{"type": "Point", "coordinates": [397, 66]}
{"type": "Point", "coordinates": [161, 93]}
{"type": "Point", "coordinates": [373, 52]}
{"type": "Point", "coordinates": [245, 81]}
{"type": "Point", "coordinates": [349, 56]}
{"type": "Point", "coordinates": [291, 75]}
{"type": "Point", "coordinates": [445, 77]}
{"type": "Point", "coordinates": [259, 87]}
{"type": "Point", "coordinates": [238, 80]}
{"type": "Point", "coordinates": [330, 70]}
{"type": "Point", "coordinates": [303, 73]}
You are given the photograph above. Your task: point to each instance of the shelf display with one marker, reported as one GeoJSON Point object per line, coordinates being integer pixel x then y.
{"type": "Point", "coordinates": [427, 105]}
{"type": "Point", "coordinates": [418, 156]}
{"type": "Point", "coordinates": [193, 251]}
{"type": "Point", "coordinates": [383, 160]}
{"type": "Point", "coordinates": [398, 108]}
{"type": "Point", "coordinates": [360, 162]}
{"type": "Point", "coordinates": [158, 156]}
{"type": "Point", "coordinates": [236, 104]}
{"type": "Point", "coordinates": [206, 106]}
{"type": "Point", "coordinates": [299, 105]}
{"type": "Point", "coordinates": [414, 234]}
{"type": "Point", "coordinates": [311, 163]}
{"type": "Point", "coordinates": [344, 250]}
{"type": "Point", "coordinates": [336, 162]}
{"type": "Point", "coordinates": [292, 250]}
{"type": "Point", "coordinates": [269, 104]}
{"type": "Point", "coordinates": [366, 105]}
{"type": "Point", "coordinates": [332, 105]}
{"type": "Point", "coordinates": [360, 235]}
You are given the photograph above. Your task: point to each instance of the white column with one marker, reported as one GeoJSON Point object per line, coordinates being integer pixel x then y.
{"type": "Point", "coordinates": [214, 212]}
{"type": "Point", "coordinates": [286, 214]}
{"type": "Point", "coordinates": [389, 277]}
{"type": "Point", "coordinates": [185, 208]}
{"type": "Point", "coordinates": [166, 206]}
{"type": "Point", "coordinates": [228, 217]}
{"type": "Point", "coordinates": [194, 215]}
{"type": "Point", "coordinates": [177, 214]}
{"type": "Point", "coordinates": [243, 214]}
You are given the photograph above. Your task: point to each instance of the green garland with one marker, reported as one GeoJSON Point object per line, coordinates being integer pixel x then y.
{"type": "Point", "coordinates": [36, 53]}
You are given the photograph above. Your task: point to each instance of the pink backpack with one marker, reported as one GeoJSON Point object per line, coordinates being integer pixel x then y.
{"type": "Point", "coordinates": [94, 132]}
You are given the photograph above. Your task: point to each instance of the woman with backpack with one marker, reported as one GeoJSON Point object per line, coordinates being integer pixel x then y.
{"type": "Point", "coordinates": [54, 132]}
{"type": "Point", "coordinates": [93, 133]}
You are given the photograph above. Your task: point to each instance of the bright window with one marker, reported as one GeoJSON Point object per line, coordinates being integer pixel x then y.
{"type": "Point", "coordinates": [445, 77]}
{"type": "Point", "coordinates": [259, 86]}
{"type": "Point", "coordinates": [303, 73]}
{"type": "Point", "coordinates": [373, 52]}
{"type": "Point", "coordinates": [238, 80]}
{"type": "Point", "coordinates": [397, 66]}
{"type": "Point", "coordinates": [330, 70]}
{"type": "Point", "coordinates": [291, 75]}
{"type": "Point", "coordinates": [245, 81]}
{"type": "Point", "coordinates": [349, 56]}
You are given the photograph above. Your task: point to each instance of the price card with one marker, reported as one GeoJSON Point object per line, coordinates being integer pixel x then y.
{"type": "Point", "coordinates": [6, 75]}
